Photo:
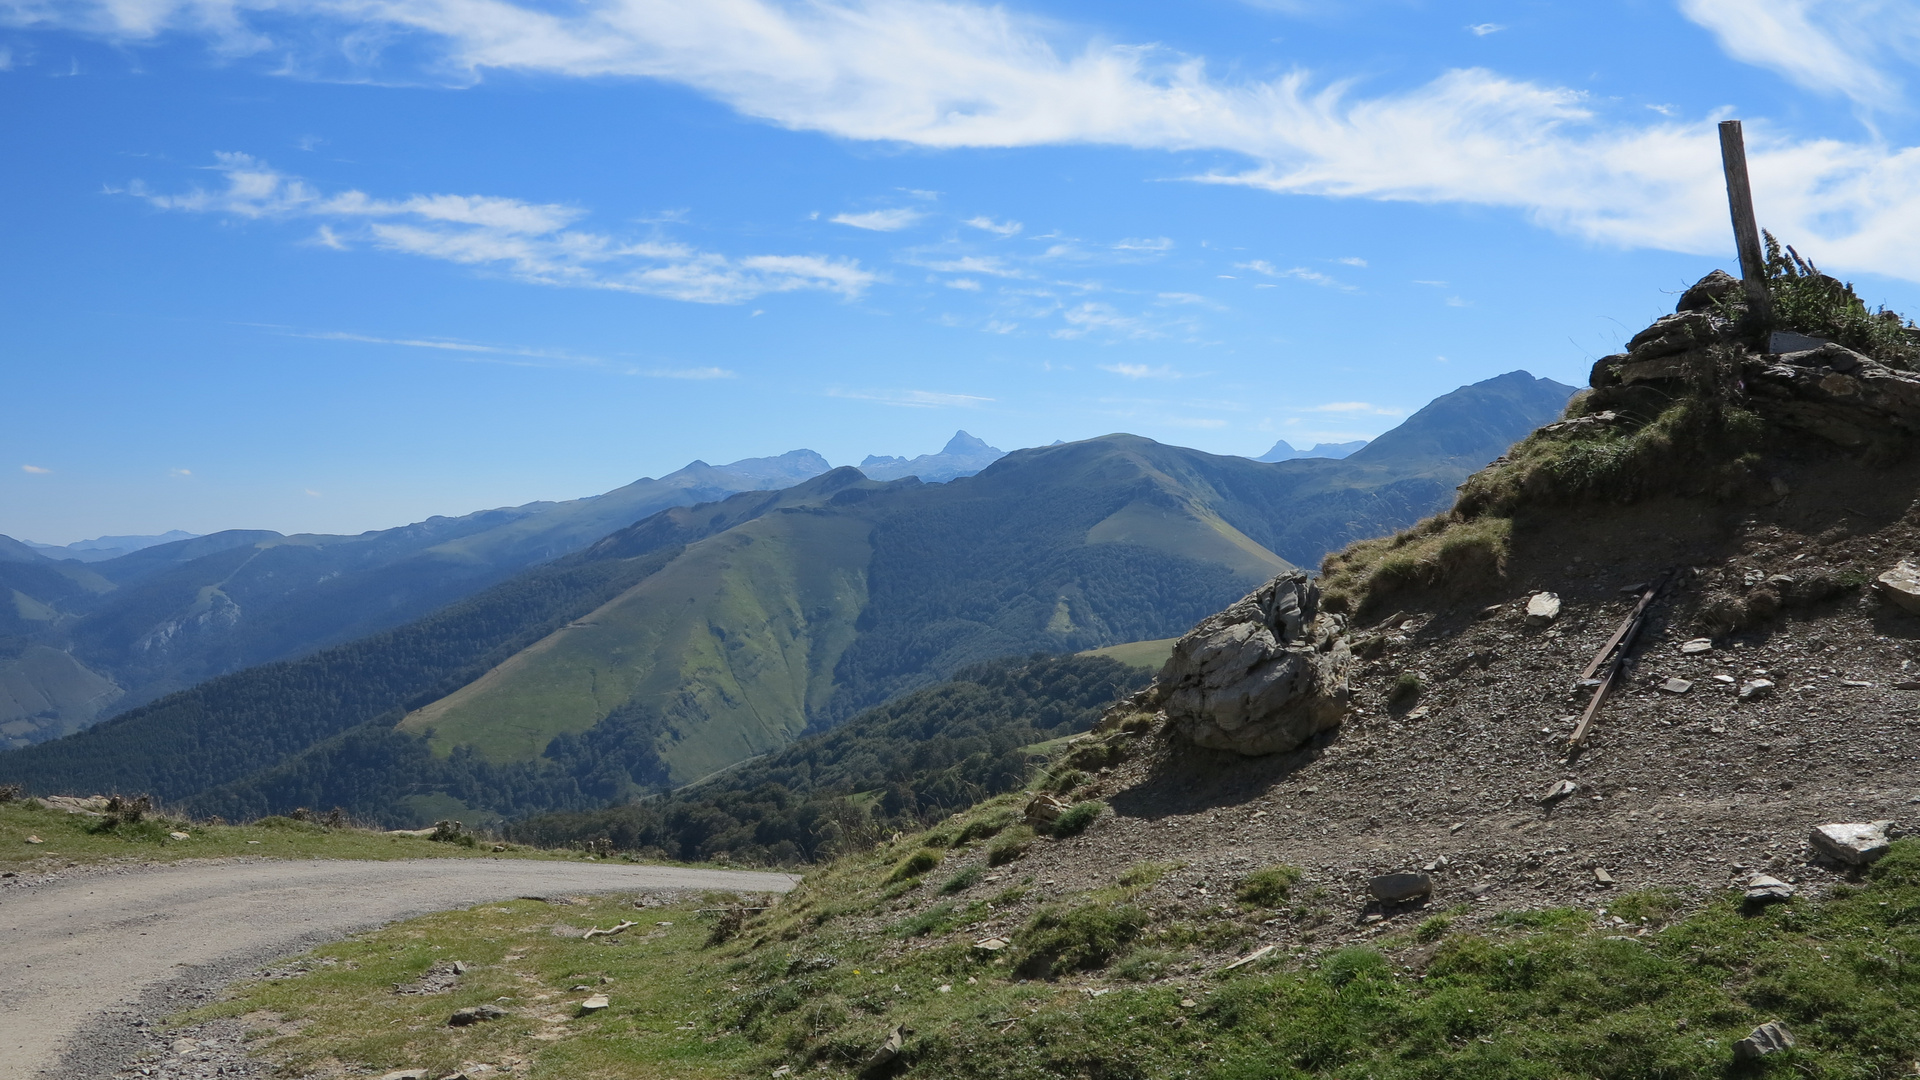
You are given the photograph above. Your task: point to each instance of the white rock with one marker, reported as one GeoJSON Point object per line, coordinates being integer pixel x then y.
{"type": "Point", "coordinates": [1676, 685]}
{"type": "Point", "coordinates": [1542, 608]}
{"type": "Point", "coordinates": [1758, 688]}
{"type": "Point", "coordinates": [1558, 791]}
{"type": "Point", "coordinates": [1902, 586]}
{"type": "Point", "coordinates": [1855, 843]}
{"type": "Point", "coordinates": [595, 1003]}
{"type": "Point", "coordinates": [1765, 888]}
{"type": "Point", "coordinates": [178, 835]}
{"type": "Point", "coordinates": [1696, 646]}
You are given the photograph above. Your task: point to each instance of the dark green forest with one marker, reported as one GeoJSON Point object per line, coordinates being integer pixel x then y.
{"type": "Point", "coordinates": [902, 765]}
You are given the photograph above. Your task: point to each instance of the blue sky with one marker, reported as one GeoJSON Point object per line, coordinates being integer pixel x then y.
{"type": "Point", "coordinates": [333, 265]}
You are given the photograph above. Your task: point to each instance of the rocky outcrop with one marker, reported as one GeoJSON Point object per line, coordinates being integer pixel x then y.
{"type": "Point", "coordinates": [1261, 677]}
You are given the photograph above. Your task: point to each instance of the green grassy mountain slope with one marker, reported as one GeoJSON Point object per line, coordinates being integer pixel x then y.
{"type": "Point", "coordinates": [172, 615]}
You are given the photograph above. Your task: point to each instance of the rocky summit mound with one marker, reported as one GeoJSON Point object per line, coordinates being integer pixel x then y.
{"type": "Point", "coordinates": [1411, 711]}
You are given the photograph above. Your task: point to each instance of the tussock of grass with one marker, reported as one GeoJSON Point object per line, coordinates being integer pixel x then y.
{"type": "Point", "coordinates": [1809, 301]}
{"type": "Point", "coordinates": [1010, 846]}
{"type": "Point", "coordinates": [1059, 939]}
{"type": "Point", "coordinates": [1268, 887]}
{"type": "Point", "coordinates": [914, 865]}
{"type": "Point", "coordinates": [1446, 549]}
{"type": "Point", "coordinates": [1074, 820]}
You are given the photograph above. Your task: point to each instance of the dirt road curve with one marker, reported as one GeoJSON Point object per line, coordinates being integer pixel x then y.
{"type": "Point", "coordinates": [84, 959]}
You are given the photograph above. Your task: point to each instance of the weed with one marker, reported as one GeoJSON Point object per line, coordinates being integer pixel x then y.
{"type": "Point", "coordinates": [914, 865]}
{"type": "Point", "coordinates": [1809, 301]}
{"type": "Point", "coordinates": [1075, 819]}
{"type": "Point", "coordinates": [931, 921]}
{"type": "Point", "coordinates": [963, 880]}
{"type": "Point", "coordinates": [1268, 887]}
{"type": "Point", "coordinates": [1432, 930]}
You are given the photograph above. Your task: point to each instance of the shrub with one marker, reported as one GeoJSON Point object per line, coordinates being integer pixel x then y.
{"type": "Point", "coordinates": [962, 881]}
{"type": "Point", "coordinates": [1074, 939]}
{"type": "Point", "coordinates": [1809, 301]}
{"type": "Point", "coordinates": [915, 865]}
{"type": "Point", "coordinates": [1010, 847]}
{"type": "Point", "coordinates": [1269, 887]}
{"type": "Point", "coordinates": [1075, 819]}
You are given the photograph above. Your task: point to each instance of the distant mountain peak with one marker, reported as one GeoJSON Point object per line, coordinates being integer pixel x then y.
{"type": "Point", "coordinates": [963, 455]}
{"type": "Point", "coordinates": [1284, 451]}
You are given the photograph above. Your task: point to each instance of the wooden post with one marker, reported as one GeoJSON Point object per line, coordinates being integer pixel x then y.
{"type": "Point", "coordinates": [1746, 231]}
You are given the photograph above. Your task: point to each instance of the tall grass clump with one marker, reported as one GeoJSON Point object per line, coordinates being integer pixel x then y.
{"type": "Point", "coordinates": [1811, 302]}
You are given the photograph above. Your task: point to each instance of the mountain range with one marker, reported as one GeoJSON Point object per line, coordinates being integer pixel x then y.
{"type": "Point", "coordinates": [963, 455]}
{"type": "Point", "coordinates": [1284, 451]}
{"type": "Point", "coordinates": [705, 634]}
{"type": "Point", "coordinates": [102, 548]}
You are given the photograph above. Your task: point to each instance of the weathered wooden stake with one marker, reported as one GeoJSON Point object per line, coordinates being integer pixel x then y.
{"type": "Point", "coordinates": [1746, 231]}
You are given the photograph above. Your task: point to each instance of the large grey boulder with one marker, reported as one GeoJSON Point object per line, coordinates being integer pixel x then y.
{"type": "Point", "coordinates": [1261, 677]}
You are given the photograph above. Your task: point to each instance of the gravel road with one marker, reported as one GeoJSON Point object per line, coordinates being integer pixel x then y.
{"type": "Point", "coordinates": [89, 960]}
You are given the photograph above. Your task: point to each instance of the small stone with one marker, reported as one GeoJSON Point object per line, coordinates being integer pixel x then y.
{"type": "Point", "coordinates": [944, 988]}
{"type": "Point", "coordinates": [595, 1003]}
{"type": "Point", "coordinates": [1399, 888]}
{"type": "Point", "coordinates": [1724, 679]}
{"type": "Point", "coordinates": [1858, 683]}
{"type": "Point", "coordinates": [783, 1070]}
{"type": "Point", "coordinates": [1854, 843]}
{"type": "Point", "coordinates": [1187, 1003]}
{"type": "Point", "coordinates": [406, 1074]}
{"type": "Point", "coordinates": [1696, 646]}
{"type": "Point", "coordinates": [1601, 877]}
{"type": "Point", "coordinates": [895, 1042]}
{"type": "Point", "coordinates": [1766, 889]}
{"type": "Point", "coordinates": [35, 840]}
{"type": "Point", "coordinates": [461, 967]}
{"type": "Point", "coordinates": [1676, 685]}
{"type": "Point", "coordinates": [1542, 608]}
{"type": "Point", "coordinates": [1456, 826]}
{"type": "Point", "coordinates": [474, 1014]}
{"type": "Point", "coordinates": [1558, 791]}
{"type": "Point", "coordinates": [178, 836]}
{"type": "Point", "coordinates": [1757, 688]}
{"type": "Point", "coordinates": [1044, 809]}
{"type": "Point", "coordinates": [992, 944]}
{"type": "Point", "coordinates": [1769, 1038]}
{"type": "Point", "coordinates": [1902, 586]}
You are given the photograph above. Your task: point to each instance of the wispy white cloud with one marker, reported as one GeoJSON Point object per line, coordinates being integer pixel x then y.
{"type": "Point", "coordinates": [1154, 245]}
{"type": "Point", "coordinates": [1832, 46]}
{"type": "Point", "coordinates": [1354, 407]}
{"type": "Point", "coordinates": [913, 399]}
{"type": "Point", "coordinates": [514, 355]}
{"type": "Point", "coordinates": [1352, 260]}
{"type": "Point", "coordinates": [1485, 28]}
{"type": "Point", "coordinates": [998, 228]}
{"type": "Point", "coordinates": [532, 242]}
{"type": "Point", "coordinates": [312, 494]}
{"type": "Point", "coordinates": [965, 283]}
{"type": "Point", "coordinates": [880, 220]}
{"type": "Point", "coordinates": [1142, 371]}
{"type": "Point", "coordinates": [949, 73]}
{"type": "Point", "coordinates": [1094, 317]}
{"type": "Point", "coordinates": [990, 265]}
{"type": "Point", "coordinates": [179, 472]}
{"type": "Point", "coordinates": [1301, 273]}
{"type": "Point", "coordinates": [36, 470]}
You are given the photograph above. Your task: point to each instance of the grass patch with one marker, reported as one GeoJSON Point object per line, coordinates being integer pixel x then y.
{"type": "Point", "coordinates": [1060, 939]}
{"type": "Point", "coordinates": [915, 865]}
{"type": "Point", "coordinates": [986, 826]}
{"type": "Point", "coordinates": [1011, 846]}
{"type": "Point", "coordinates": [1074, 820]}
{"type": "Point", "coordinates": [1268, 887]}
{"type": "Point", "coordinates": [963, 880]}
